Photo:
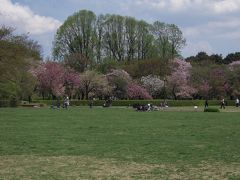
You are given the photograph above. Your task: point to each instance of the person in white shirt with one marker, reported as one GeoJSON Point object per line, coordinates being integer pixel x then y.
{"type": "Point", "coordinates": [237, 102]}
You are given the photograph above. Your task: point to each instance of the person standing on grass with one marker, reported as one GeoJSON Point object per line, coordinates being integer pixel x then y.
{"type": "Point", "coordinates": [237, 102]}
{"type": "Point", "coordinates": [223, 104]}
{"type": "Point", "coordinates": [206, 104]}
{"type": "Point", "coordinates": [91, 104]}
{"type": "Point", "coordinates": [58, 102]}
{"type": "Point", "coordinates": [66, 103]}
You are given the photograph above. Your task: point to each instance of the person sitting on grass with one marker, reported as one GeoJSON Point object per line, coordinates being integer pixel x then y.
{"type": "Point", "coordinates": [108, 103]}
{"type": "Point", "coordinates": [165, 104]}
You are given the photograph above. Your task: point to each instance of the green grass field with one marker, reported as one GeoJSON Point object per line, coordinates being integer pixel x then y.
{"type": "Point", "coordinates": [119, 143]}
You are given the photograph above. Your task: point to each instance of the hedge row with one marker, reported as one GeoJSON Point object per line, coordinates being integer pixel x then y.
{"type": "Point", "coordinates": [8, 103]}
{"type": "Point", "coordinates": [171, 103]}
{"type": "Point", "coordinates": [72, 102]}
{"type": "Point", "coordinates": [211, 110]}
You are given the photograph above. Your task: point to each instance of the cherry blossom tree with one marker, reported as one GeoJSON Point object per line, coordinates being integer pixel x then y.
{"type": "Point", "coordinates": [178, 83]}
{"type": "Point", "coordinates": [119, 80]}
{"type": "Point", "coordinates": [218, 79]}
{"type": "Point", "coordinates": [212, 81]}
{"type": "Point", "coordinates": [94, 84]}
{"type": "Point", "coordinates": [103, 89]}
{"type": "Point", "coordinates": [200, 80]}
{"type": "Point", "coordinates": [153, 84]}
{"type": "Point", "coordinates": [50, 76]}
{"type": "Point", "coordinates": [72, 82]}
{"type": "Point", "coordinates": [135, 91]}
{"type": "Point", "coordinates": [204, 89]}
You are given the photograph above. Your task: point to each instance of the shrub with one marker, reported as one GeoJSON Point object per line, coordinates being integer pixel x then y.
{"type": "Point", "coordinates": [4, 103]}
{"type": "Point", "coordinates": [211, 110]}
{"type": "Point", "coordinates": [13, 102]}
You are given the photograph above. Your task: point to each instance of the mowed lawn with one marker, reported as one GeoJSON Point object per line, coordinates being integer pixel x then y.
{"type": "Point", "coordinates": [118, 143]}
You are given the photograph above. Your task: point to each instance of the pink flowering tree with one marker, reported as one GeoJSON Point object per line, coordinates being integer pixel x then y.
{"type": "Point", "coordinates": [219, 82]}
{"type": "Point", "coordinates": [135, 91]}
{"type": "Point", "coordinates": [54, 79]}
{"type": "Point", "coordinates": [204, 89]}
{"type": "Point", "coordinates": [72, 82]}
{"type": "Point", "coordinates": [50, 77]}
{"type": "Point", "coordinates": [212, 81]}
{"type": "Point", "coordinates": [200, 80]}
{"type": "Point", "coordinates": [178, 83]}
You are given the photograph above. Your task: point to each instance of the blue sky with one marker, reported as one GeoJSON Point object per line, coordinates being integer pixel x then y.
{"type": "Point", "coordinates": [212, 26]}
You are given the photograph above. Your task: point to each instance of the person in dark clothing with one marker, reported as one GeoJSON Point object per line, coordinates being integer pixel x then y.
{"type": "Point", "coordinates": [91, 104]}
{"type": "Point", "coordinates": [58, 102]}
{"type": "Point", "coordinates": [206, 103]}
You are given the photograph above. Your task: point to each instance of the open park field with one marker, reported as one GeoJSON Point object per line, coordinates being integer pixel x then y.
{"type": "Point", "coordinates": [119, 143]}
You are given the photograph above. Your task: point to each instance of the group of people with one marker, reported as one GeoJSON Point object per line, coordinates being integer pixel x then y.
{"type": "Point", "coordinates": [138, 107]}
{"type": "Point", "coordinates": [65, 104]}
{"type": "Point", "coordinates": [146, 107]}
{"type": "Point", "coordinates": [222, 104]}
{"type": "Point", "coordinates": [150, 107]}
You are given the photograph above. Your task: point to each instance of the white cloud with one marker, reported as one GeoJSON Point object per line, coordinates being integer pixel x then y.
{"type": "Point", "coordinates": [154, 4]}
{"type": "Point", "coordinates": [23, 18]}
{"type": "Point", "coordinates": [177, 5]}
{"type": "Point", "coordinates": [224, 28]}
{"type": "Point", "coordinates": [203, 6]}
{"type": "Point", "coordinates": [222, 33]}
{"type": "Point", "coordinates": [226, 6]}
{"type": "Point", "coordinates": [194, 47]}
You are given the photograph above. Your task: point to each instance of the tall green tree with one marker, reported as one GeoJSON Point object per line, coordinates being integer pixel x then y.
{"type": "Point", "coordinates": [99, 38]}
{"type": "Point", "coordinates": [176, 39]}
{"type": "Point", "coordinates": [18, 54]}
{"type": "Point", "coordinates": [76, 38]}
{"type": "Point", "coordinates": [161, 33]}
{"type": "Point", "coordinates": [232, 57]}
{"type": "Point", "coordinates": [144, 41]}
{"type": "Point", "coordinates": [114, 37]}
{"type": "Point", "coordinates": [131, 35]}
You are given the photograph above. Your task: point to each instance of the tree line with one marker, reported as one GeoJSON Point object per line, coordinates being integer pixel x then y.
{"type": "Point", "coordinates": [85, 40]}
{"type": "Point", "coordinates": [185, 80]}
{"type": "Point", "coordinates": [204, 58]}
{"type": "Point", "coordinates": [112, 55]}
